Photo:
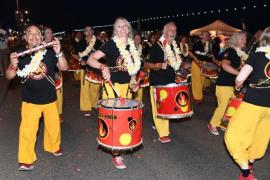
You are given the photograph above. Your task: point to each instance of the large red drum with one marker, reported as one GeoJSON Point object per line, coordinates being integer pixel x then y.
{"type": "Point", "coordinates": [233, 104]}
{"type": "Point", "coordinates": [210, 70]}
{"type": "Point", "coordinates": [173, 101]}
{"type": "Point", "coordinates": [119, 124]}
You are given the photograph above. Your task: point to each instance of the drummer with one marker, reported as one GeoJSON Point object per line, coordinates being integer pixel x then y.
{"type": "Point", "coordinates": [122, 64]}
{"type": "Point", "coordinates": [230, 67]}
{"type": "Point", "coordinates": [89, 90]}
{"type": "Point", "coordinates": [163, 63]}
{"type": "Point", "coordinates": [201, 50]}
{"type": "Point", "coordinates": [48, 37]}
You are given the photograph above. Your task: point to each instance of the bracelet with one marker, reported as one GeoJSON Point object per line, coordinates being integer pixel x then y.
{"type": "Point", "coordinates": [11, 67]}
{"type": "Point", "coordinates": [59, 55]}
{"type": "Point", "coordinates": [102, 66]}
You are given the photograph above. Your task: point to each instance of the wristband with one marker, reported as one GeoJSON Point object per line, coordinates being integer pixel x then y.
{"type": "Point", "coordinates": [59, 55]}
{"type": "Point", "coordinates": [102, 66]}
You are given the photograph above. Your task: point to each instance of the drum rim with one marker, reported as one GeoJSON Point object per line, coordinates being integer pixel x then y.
{"type": "Point", "coordinates": [172, 85]}
{"type": "Point", "coordinates": [175, 116]}
{"type": "Point", "coordinates": [119, 148]}
{"type": "Point", "coordinates": [140, 105]}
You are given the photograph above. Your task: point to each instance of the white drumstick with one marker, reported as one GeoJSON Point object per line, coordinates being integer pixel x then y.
{"type": "Point", "coordinates": [29, 51]}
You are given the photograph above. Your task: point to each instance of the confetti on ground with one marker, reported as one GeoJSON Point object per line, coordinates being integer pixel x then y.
{"type": "Point", "coordinates": [139, 156]}
{"type": "Point", "coordinates": [78, 169]}
{"type": "Point", "coordinates": [154, 140]}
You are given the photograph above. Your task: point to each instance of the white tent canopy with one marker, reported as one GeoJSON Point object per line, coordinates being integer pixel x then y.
{"type": "Point", "coordinates": [216, 28]}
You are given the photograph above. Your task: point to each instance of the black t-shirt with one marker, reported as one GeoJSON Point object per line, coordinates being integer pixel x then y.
{"type": "Point", "coordinates": [37, 89]}
{"type": "Point", "coordinates": [114, 59]}
{"type": "Point", "coordinates": [198, 49]}
{"type": "Point", "coordinates": [225, 78]}
{"type": "Point", "coordinates": [259, 95]}
{"type": "Point", "coordinates": [160, 76]}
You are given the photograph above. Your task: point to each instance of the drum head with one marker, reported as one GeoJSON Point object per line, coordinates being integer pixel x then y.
{"type": "Point", "coordinates": [115, 103]}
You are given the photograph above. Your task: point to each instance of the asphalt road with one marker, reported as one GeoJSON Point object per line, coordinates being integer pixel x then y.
{"type": "Point", "coordinates": [194, 153]}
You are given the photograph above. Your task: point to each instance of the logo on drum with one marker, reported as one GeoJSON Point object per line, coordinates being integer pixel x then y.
{"type": "Point", "coordinates": [267, 70]}
{"type": "Point", "coordinates": [182, 100]}
{"type": "Point", "coordinates": [102, 128]}
{"type": "Point", "coordinates": [40, 72]}
{"type": "Point", "coordinates": [132, 124]}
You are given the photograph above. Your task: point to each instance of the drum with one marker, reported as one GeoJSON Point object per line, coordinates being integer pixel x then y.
{"type": "Point", "coordinates": [187, 66]}
{"type": "Point", "coordinates": [233, 104]}
{"type": "Point", "coordinates": [181, 75]}
{"type": "Point", "coordinates": [58, 83]}
{"type": "Point", "coordinates": [119, 124]}
{"type": "Point", "coordinates": [93, 77]}
{"type": "Point", "coordinates": [74, 65]}
{"type": "Point", "coordinates": [173, 101]}
{"type": "Point", "coordinates": [210, 70]}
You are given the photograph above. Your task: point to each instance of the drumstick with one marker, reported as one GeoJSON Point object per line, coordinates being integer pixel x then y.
{"type": "Point", "coordinates": [29, 51]}
{"type": "Point", "coordinates": [140, 77]}
{"type": "Point", "coordinates": [122, 100]}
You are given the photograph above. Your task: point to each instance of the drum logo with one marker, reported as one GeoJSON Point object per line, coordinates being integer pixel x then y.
{"type": "Point", "coordinates": [40, 72]}
{"type": "Point", "coordinates": [182, 100]}
{"type": "Point", "coordinates": [267, 70]}
{"type": "Point", "coordinates": [132, 124]}
{"type": "Point", "coordinates": [102, 128]}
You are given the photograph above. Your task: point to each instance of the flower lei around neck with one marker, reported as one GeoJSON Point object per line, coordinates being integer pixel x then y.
{"type": "Point", "coordinates": [33, 65]}
{"type": "Point", "coordinates": [265, 49]}
{"type": "Point", "coordinates": [131, 58]}
{"type": "Point", "coordinates": [242, 54]}
{"type": "Point", "coordinates": [172, 54]}
{"type": "Point", "coordinates": [184, 49]}
{"type": "Point", "coordinates": [89, 47]}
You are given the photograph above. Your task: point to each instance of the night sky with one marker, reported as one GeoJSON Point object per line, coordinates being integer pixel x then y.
{"type": "Point", "coordinates": [69, 15]}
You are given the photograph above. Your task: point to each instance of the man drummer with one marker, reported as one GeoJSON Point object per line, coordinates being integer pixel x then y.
{"type": "Point", "coordinates": [38, 95]}
{"type": "Point", "coordinates": [48, 37]}
{"type": "Point", "coordinates": [122, 64]}
{"type": "Point", "coordinates": [201, 51]}
{"type": "Point", "coordinates": [164, 60]}
{"type": "Point", "coordinates": [89, 90]}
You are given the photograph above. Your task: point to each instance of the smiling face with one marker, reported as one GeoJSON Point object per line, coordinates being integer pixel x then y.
{"type": "Point", "coordinates": [33, 36]}
{"type": "Point", "coordinates": [122, 28]}
{"type": "Point", "coordinates": [88, 31]}
{"type": "Point", "coordinates": [48, 35]}
{"type": "Point", "coordinates": [137, 39]}
{"type": "Point", "coordinates": [241, 43]}
{"type": "Point", "coordinates": [170, 31]}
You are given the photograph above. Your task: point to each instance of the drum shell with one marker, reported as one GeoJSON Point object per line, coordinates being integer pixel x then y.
{"type": "Point", "coordinates": [233, 105]}
{"type": "Point", "coordinates": [209, 70]}
{"type": "Point", "coordinates": [173, 101]}
{"type": "Point", "coordinates": [119, 128]}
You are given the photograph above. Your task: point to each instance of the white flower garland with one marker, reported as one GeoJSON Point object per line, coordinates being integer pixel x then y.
{"type": "Point", "coordinates": [173, 56]}
{"type": "Point", "coordinates": [132, 66]}
{"type": "Point", "coordinates": [33, 65]}
{"type": "Point", "coordinates": [242, 54]}
{"type": "Point", "coordinates": [265, 49]}
{"type": "Point", "coordinates": [184, 49]}
{"type": "Point", "coordinates": [88, 48]}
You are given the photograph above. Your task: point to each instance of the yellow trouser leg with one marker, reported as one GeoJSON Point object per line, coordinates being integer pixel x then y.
{"type": "Point", "coordinates": [85, 99]}
{"type": "Point", "coordinates": [139, 95]}
{"type": "Point", "coordinates": [94, 92]}
{"type": "Point", "coordinates": [52, 132]}
{"type": "Point", "coordinates": [196, 78]}
{"type": "Point", "coordinates": [206, 82]}
{"type": "Point", "coordinates": [77, 76]}
{"type": "Point", "coordinates": [162, 125]}
{"type": "Point", "coordinates": [59, 94]}
{"type": "Point", "coordinates": [248, 134]}
{"type": "Point", "coordinates": [121, 88]}
{"type": "Point", "coordinates": [28, 132]}
{"type": "Point", "coordinates": [223, 93]}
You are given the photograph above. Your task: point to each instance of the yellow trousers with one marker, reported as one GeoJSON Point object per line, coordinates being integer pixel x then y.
{"type": "Point", "coordinates": [248, 133]}
{"type": "Point", "coordinates": [31, 114]}
{"type": "Point", "coordinates": [123, 90]}
{"type": "Point", "coordinates": [162, 125]}
{"type": "Point", "coordinates": [197, 81]}
{"type": "Point", "coordinates": [206, 82]}
{"type": "Point", "coordinates": [88, 94]}
{"type": "Point", "coordinates": [59, 94]}
{"type": "Point", "coordinates": [77, 75]}
{"type": "Point", "coordinates": [139, 95]}
{"type": "Point", "coordinates": [223, 93]}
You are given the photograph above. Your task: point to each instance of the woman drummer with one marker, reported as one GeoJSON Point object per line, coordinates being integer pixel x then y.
{"type": "Point", "coordinates": [230, 66]}
{"type": "Point", "coordinates": [122, 64]}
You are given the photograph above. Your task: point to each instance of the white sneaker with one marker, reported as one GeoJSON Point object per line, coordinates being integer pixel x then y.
{"type": "Point", "coordinates": [26, 167]}
{"type": "Point", "coordinates": [118, 162]}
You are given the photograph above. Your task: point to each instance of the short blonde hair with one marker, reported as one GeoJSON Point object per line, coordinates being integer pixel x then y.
{"type": "Point", "coordinates": [166, 26]}
{"type": "Point", "coordinates": [234, 38]}
{"type": "Point", "coordinates": [265, 37]}
{"type": "Point", "coordinates": [129, 26]}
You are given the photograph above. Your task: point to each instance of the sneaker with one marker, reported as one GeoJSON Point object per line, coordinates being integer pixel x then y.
{"type": "Point", "coordinates": [164, 139]}
{"type": "Point", "coordinates": [250, 177]}
{"type": "Point", "coordinates": [26, 167]}
{"type": "Point", "coordinates": [251, 168]}
{"type": "Point", "coordinates": [213, 129]}
{"type": "Point", "coordinates": [222, 128]}
{"type": "Point", "coordinates": [118, 162]}
{"type": "Point", "coordinates": [87, 114]}
{"type": "Point", "coordinates": [58, 153]}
